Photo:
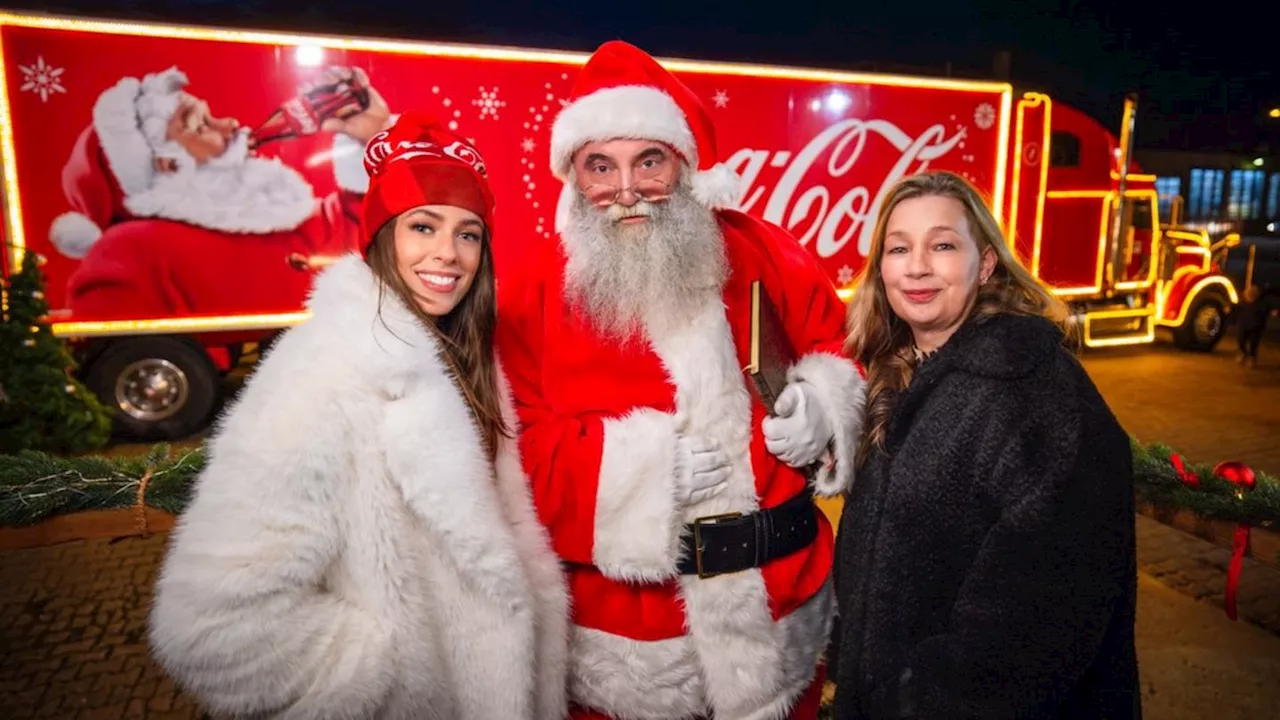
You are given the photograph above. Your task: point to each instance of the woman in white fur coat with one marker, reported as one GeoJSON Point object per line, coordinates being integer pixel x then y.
{"type": "Point", "coordinates": [362, 543]}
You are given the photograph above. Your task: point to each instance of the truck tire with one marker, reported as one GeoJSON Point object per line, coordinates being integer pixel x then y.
{"type": "Point", "coordinates": [161, 388]}
{"type": "Point", "coordinates": [1204, 325]}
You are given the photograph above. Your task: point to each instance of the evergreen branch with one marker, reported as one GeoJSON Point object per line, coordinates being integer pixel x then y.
{"type": "Point", "coordinates": [35, 486]}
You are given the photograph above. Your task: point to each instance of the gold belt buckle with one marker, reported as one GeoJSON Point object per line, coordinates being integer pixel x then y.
{"type": "Point", "coordinates": [697, 538]}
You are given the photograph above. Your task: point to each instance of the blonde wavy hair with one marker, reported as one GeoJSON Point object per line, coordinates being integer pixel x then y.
{"type": "Point", "coordinates": [883, 343]}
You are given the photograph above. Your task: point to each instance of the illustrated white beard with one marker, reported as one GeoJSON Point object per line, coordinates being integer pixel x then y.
{"type": "Point", "coordinates": [660, 273]}
{"type": "Point", "coordinates": [233, 192]}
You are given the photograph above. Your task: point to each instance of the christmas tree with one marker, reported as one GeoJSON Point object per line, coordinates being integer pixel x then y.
{"type": "Point", "coordinates": [42, 405]}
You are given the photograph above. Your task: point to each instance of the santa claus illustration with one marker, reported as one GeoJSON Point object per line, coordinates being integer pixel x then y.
{"type": "Point", "coordinates": [173, 214]}
{"type": "Point", "coordinates": [683, 507]}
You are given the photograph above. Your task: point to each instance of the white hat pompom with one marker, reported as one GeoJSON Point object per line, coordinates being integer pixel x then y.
{"type": "Point", "coordinates": [74, 234]}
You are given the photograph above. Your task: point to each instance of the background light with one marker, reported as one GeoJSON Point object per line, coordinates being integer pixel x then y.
{"type": "Point", "coordinates": [816, 105]}
{"type": "Point", "coordinates": [838, 101]}
{"type": "Point", "coordinates": [1257, 162]}
{"type": "Point", "coordinates": [1275, 112]}
{"type": "Point", "coordinates": [309, 55]}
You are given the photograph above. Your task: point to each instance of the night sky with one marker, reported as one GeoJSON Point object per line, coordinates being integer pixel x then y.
{"type": "Point", "coordinates": [1205, 71]}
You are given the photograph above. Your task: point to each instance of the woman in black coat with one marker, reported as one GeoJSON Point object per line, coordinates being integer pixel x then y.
{"type": "Point", "coordinates": [986, 563]}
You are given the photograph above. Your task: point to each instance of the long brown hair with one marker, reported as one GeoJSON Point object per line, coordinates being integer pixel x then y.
{"type": "Point", "coordinates": [465, 334]}
{"type": "Point", "coordinates": [883, 343]}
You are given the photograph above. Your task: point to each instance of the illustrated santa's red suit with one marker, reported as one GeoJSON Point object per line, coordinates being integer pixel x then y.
{"type": "Point", "coordinates": [678, 611]}
{"type": "Point", "coordinates": [210, 237]}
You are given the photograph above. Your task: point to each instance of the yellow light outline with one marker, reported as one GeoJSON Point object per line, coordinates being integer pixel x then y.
{"type": "Point", "coordinates": [155, 326]}
{"type": "Point", "coordinates": [1189, 299]}
{"type": "Point", "coordinates": [15, 230]}
{"type": "Point", "coordinates": [485, 52]}
{"type": "Point", "coordinates": [14, 233]}
{"type": "Point", "coordinates": [1143, 337]}
{"type": "Point", "coordinates": [1031, 100]}
{"type": "Point", "coordinates": [1108, 197]}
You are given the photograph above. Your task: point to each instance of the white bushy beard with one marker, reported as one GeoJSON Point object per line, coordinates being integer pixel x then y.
{"type": "Point", "coordinates": [234, 192]}
{"type": "Point", "coordinates": [661, 273]}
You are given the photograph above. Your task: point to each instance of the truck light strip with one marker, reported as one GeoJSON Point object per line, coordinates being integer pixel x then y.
{"type": "Point", "coordinates": [1002, 153]}
{"type": "Point", "coordinates": [1105, 196]}
{"type": "Point", "coordinates": [1156, 237]}
{"type": "Point", "coordinates": [1203, 283]}
{"type": "Point", "coordinates": [486, 52]}
{"type": "Point", "coordinates": [9, 172]}
{"type": "Point", "coordinates": [1044, 182]}
{"type": "Point", "coordinates": [1108, 197]}
{"type": "Point", "coordinates": [16, 231]}
{"type": "Point", "coordinates": [1031, 100]}
{"type": "Point", "coordinates": [1142, 337]}
{"type": "Point", "coordinates": [107, 328]}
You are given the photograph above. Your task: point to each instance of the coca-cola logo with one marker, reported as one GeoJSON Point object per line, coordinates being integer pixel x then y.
{"type": "Point", "coordinates": [817, 215]}
{"type": "Point", "coordinates": [301, 117]}
{"type": "Point", "coordinates": [381, 152]}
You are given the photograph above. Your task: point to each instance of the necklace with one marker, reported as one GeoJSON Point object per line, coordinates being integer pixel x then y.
{"type": "Point", "coordinates": [922, 356]}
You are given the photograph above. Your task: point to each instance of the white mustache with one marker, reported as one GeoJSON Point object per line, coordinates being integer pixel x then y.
{"type": "Point", "coordinates": [618, 211]}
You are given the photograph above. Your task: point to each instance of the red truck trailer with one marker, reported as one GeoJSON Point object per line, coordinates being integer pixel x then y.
{"type": "Point", "coordinates": [164, 273]}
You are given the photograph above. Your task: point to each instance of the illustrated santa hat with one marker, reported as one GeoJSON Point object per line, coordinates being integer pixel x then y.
{"type": "Point", "coordinates": [129, 131]}
{"type": "Point", "coordinates": [622, 92]}
{"type": "Point", "coordinates": [417, 161]}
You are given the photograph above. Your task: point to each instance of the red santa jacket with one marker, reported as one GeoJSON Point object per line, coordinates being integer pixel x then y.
{"type": "Point", "coordinates": [599, 422]}
{"type": "Point", "coordinates": [144, 268]}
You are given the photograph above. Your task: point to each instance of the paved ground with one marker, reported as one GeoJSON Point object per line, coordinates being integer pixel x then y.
{"type": "Point", "coordinates": [73, 617]}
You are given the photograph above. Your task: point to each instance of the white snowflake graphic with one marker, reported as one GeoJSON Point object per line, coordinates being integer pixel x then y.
{"type": "Point", "coordinates": [41, 79]}
{"type": "Point", "coordinates": [844, 275]}
{"type": "Point", "coordinates": [721, 98]}
{"type": "Point", "coordinates": [984, 116]}
{"type": "Point", "coordinates": [488, 103]}
{"type": "Point", "coordinates": [528, 145]}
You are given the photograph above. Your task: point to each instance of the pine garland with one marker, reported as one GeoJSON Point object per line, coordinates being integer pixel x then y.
{"type": "Point", "coordinates": [35, 486]}
{"type": "Point", "coordinates": [1157, 481]}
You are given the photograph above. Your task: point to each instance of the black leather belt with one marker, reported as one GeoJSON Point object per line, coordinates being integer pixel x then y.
{"type": "Point", "coordinates": [735, 542]}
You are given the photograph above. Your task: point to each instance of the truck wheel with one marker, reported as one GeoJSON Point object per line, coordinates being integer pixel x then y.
{"type": "Point", "coordinates": [1204, 325]}
{"type": "Point", "coordinates": [161, 388]}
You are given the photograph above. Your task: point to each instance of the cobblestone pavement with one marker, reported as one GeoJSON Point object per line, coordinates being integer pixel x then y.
{"type": "Point", "coordinates": [73, 642]}
{"type": "Point", "coordinates": [73, 616]}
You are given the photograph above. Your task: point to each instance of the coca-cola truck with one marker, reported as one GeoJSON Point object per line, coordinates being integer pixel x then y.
{"type": "Point", "coordinates": [185, 184]}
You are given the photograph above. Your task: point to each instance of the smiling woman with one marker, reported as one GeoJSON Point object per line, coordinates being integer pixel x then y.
{"type": "Point", "coordinates": [991, 466]}
{"type": "Point", "coordinates": [362, 542]}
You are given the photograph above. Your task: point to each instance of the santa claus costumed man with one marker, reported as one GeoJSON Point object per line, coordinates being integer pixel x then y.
{"type": "Point", "coordinates": [625, 345]}
{"type": "Point", "coordinates": [173, 215]}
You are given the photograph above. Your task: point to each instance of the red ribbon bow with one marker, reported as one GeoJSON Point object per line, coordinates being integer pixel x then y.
{"type": "Point", "coordinates": [1240, 475]}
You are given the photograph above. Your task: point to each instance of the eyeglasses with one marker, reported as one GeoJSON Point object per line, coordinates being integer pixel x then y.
{"type": "Point", "coordinates": [649, 190]}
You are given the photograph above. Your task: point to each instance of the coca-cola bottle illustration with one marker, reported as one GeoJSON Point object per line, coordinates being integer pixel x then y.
{"type": "Point", "coordinates": [341, 94]}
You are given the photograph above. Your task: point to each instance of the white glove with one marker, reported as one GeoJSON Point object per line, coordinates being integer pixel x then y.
{"type": "Point", "coordinates": [702, 469]}
{"type": "Point", "coordinates": [801, 431]}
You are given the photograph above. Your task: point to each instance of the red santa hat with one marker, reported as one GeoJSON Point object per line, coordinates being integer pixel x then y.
{"type": "Point", "coordinates": [418, 162]}
{"type": "Point", "coordinates": [115, 156]}
{"type": "Point", "coordinates": [622, 92]}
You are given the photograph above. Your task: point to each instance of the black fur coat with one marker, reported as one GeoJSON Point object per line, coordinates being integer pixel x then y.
{"type": "Point", "coordinates": [986, 563]}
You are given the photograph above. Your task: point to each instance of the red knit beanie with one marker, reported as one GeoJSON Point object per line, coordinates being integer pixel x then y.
{"type": "Point", "coordinates": [418, 161]}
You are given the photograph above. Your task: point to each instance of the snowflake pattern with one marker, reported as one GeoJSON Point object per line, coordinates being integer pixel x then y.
{"type": "Point", "coordinates": [447, 102]}
{"type": "Point", "coordinates": [984, 116]}
{"type": "Point", "coordinates": [540, 114]}
{"type": "Point", "coordinates": [721, 98]}
{"type": "Point", "coordinates": [844, 275]}
{"type": "Point", "coordinates": [489, 103]}
{"type": "Point", "coordinates": [42, 79]}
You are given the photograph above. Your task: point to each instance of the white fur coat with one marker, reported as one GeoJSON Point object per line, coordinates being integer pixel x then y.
{"type": "Point", "coordinates": [349, 552]}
